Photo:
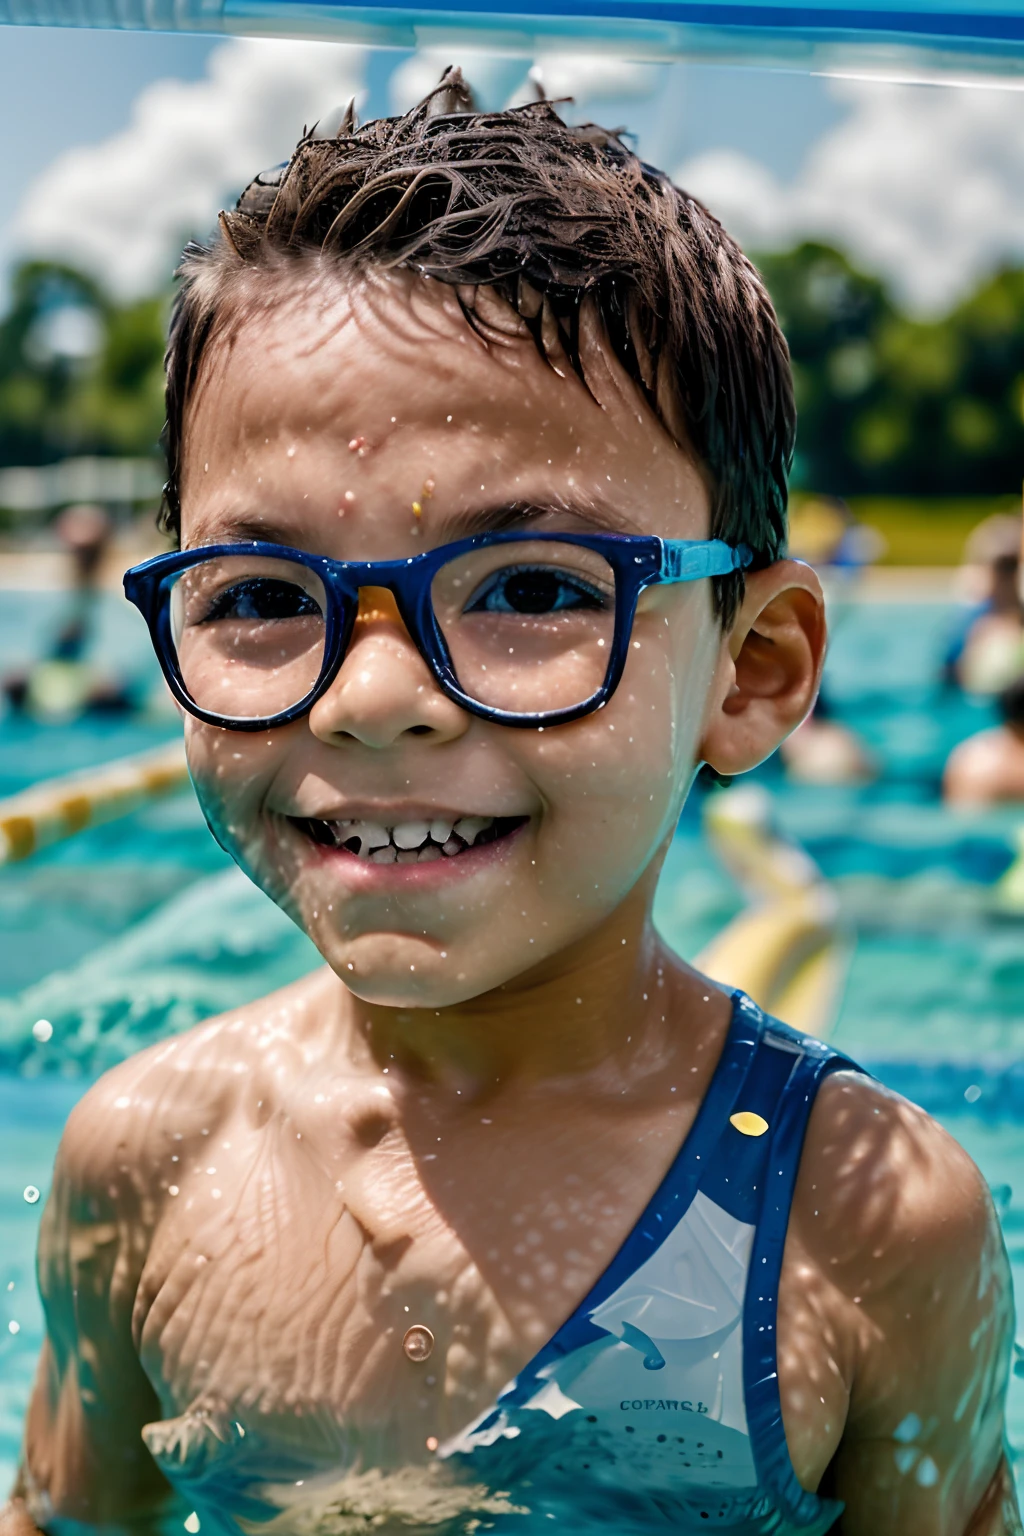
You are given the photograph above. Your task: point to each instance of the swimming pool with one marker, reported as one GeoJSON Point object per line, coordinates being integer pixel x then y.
{"type": "Point", "coordinates": [143, 927]}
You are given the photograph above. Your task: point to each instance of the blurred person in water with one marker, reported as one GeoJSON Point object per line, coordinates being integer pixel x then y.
{"type": "Point", "coordinates": [506, 1219]}
{"type": "Point", "coordinates": [66, 681]}
{"type": "Point", "coordinates": [986, 650]}
{"type": "Point", "coordinates": [988, 768]}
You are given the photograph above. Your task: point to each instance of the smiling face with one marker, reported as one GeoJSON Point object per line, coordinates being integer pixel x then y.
{"type": "Point", "coordinates": [366, 420]}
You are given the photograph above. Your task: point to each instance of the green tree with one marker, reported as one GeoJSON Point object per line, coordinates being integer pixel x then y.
{"type": "Point", "coordinates": [79, 374]}
{"type": "Point", "coordinates": [893, 405]}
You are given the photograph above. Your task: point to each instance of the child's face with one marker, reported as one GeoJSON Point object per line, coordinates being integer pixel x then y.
{"type": "Point", "coordinates": [320, 426]}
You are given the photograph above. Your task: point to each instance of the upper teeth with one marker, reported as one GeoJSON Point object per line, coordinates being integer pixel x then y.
{"type": "Point", "coordinates": [368, 839]}
{"type": "Point", "coordinates": [410, 834]}
{"type": "Point", "coordinates": [470, 827]}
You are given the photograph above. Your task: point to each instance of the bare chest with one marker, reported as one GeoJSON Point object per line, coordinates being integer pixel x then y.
{"type": "Point", "coordinates": [307, 1312]}
{"type": "Point", "coordinates": [361, 1298]}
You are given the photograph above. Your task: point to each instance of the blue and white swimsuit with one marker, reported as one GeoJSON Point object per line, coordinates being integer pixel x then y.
{"type": "Point", "coordinates": [656, 1405]}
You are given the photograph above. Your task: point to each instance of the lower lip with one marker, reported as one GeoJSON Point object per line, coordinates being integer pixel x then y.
{"type": "Point", "coordinates": [369, 876]}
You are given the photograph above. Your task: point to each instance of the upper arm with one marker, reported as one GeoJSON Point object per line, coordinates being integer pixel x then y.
{"type": "Point", "coordinates": [84, 1458]}
{"type": "Point", "coordinates": [923, 1448]}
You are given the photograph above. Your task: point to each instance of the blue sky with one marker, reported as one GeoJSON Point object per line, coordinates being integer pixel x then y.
{"type": "Point", "coordinates": [118, 145]}
{"type": "Point", "coordinates": [61, 87]}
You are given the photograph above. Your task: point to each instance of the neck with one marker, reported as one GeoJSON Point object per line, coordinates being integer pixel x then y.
{"type": "Point", "coordinates": [586, 1008]}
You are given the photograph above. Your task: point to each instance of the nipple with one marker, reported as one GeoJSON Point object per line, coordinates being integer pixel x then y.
{"type": "Point", "coordinates": [418, 1343]}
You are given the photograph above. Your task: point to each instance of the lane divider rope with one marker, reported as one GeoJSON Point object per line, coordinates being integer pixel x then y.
{"type": "Point", "coordinates": [58, 808]}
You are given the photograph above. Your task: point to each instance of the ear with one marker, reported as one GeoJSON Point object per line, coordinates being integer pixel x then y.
{"type": "Point", "coordinates": [769, 669]}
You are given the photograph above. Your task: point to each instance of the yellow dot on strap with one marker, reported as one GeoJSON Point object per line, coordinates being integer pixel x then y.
{"type": "Point", "coordinates": [749, 1124]}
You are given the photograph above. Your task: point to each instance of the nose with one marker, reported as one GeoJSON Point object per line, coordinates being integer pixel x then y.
{"type": "Point", "coordinates": [384, 689]}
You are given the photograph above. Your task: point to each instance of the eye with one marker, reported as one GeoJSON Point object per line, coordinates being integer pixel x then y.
{"type": "Point", "coordinates": [536, 589]}
{"type": "Point", "coordinates": [262, 598]}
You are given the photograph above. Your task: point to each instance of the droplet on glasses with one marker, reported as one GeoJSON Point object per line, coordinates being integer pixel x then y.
{"type": "Point", "coordinates": [418, 1343]}
{"type": "Point", "coordinates": [31, 1194]}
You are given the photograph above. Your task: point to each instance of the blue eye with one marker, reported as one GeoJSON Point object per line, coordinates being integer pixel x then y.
{"type": "Point", "coordinates": [538, 590]}
{"type": "Point", "coordinates": [262, 598]}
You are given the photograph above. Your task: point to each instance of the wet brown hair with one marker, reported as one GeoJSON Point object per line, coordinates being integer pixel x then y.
{"type": "Point", "coordinates": [548, 216]}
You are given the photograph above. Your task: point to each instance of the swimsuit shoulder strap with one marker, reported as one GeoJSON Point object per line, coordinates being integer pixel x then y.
{"type": "Point", "coordinates": [778, 1096]}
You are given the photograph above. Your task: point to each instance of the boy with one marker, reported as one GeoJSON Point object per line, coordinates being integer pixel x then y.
{"type": "Point", "coordinates": [494, 1221]}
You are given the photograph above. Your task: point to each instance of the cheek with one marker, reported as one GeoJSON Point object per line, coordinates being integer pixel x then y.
{"type": "Point", "coordinates": [614, 782]}
{"type": "Point", "coordinates": [232, 773]}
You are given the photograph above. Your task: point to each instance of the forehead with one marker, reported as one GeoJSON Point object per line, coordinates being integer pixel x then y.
{"type": "Point", "coordinates": [376, 385]}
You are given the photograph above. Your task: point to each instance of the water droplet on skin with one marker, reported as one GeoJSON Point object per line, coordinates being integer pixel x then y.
{"type": "Point", "coordinates": [42, 1030]}
{"type": "Point", "coordinates": [31, 1194]}
{"type": "Point", "coordinates": [418, 1343]}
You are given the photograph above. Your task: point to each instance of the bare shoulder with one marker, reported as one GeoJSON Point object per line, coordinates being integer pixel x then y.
{"type": "Point", "coordinates": [893, 1244]}
{"type": "Point", "coordinates": [887, 1183]}
{"type": "Point", "coordinates": [184, 1088]}
{"type": "Point", "coordinates": [895, 1232]}
{"type": "Point", "coordinates": [899, 1276]}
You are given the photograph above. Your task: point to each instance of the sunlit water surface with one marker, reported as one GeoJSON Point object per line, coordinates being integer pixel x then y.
{"type": "Point", "coordinates": [141, 928]}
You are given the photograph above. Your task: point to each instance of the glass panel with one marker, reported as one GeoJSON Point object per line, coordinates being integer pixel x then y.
{"type": "Point", "coordinates": [529, 625]}
{"type": "Point", "coordinates": [249, 634]}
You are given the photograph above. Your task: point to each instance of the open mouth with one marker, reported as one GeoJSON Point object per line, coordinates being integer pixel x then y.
{"type": "Point", "coordinates": [410, 842]}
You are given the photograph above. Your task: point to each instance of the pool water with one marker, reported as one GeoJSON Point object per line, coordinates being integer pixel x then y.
{"type": "Point", "coordinates": [141, 928]}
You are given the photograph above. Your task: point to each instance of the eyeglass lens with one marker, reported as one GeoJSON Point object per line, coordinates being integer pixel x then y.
{"type": "Point", "coordinates": [528, 628]}
{"type": "Point", "coordinates": [249, 634]}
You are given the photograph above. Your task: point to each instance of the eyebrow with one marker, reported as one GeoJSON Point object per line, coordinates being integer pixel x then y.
{"type": "Point", "coordinates": [241, 529]}
{"type": "Point", "coordinates": [499, 518]}
{"type": "Point", "coordinates": [508, 515]}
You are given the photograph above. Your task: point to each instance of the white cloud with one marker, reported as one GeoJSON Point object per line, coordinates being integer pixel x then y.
{"type": "Point", "coordinates": [921, 184]}
{"type": "Point", "coordinates": [588, 77]}
{"type": "Point", "coordinates": [502, 80]}
{"type": "Point", "coordinates": [492, 76]}
{"type": "Point", "coordinates": [122, 208]}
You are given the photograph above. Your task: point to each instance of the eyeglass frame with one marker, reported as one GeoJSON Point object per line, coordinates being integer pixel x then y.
{"type": "Point", "coordinates": [638, 561]}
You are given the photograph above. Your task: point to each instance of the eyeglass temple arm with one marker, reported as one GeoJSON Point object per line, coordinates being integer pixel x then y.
{"type": "Point", "coordinates": [693, 559]}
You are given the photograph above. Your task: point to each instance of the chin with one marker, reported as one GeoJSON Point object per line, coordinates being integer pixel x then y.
{"type": "Point", "coordinates": [399, 971]}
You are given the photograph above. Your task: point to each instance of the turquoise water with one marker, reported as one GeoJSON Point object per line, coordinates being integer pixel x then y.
{"type": "Point", "coordinates": [143, 927]}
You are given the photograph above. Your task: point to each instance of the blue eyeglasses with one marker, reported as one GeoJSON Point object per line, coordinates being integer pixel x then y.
{"type": "Point", "coordinates": [525, 629]}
